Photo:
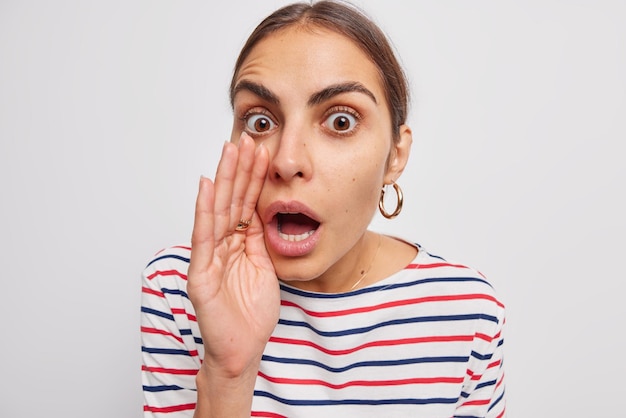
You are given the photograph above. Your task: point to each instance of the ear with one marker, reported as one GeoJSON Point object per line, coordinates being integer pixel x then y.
{"type": "Point", "coordinates": [399, 155]}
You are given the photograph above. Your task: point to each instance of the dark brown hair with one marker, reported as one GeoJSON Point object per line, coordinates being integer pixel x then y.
{"type": "Point", "coordinates": [352, 23]}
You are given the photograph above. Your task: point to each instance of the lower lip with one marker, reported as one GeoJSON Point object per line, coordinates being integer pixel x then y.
{"type": "Point", "coordinates": [287, 248]}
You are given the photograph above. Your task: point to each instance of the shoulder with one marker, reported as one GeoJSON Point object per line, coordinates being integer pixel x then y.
{"type": "Point", "coordinates": [438, 268]}
{"type": "Point", "coordinates": [439, 279]}
{"type": "Point", "coordinates": [170, 262]}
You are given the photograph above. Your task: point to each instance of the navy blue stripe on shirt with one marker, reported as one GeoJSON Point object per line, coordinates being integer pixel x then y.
{"type": "Point", "coordinates": [157, 313]}
{"type": "Point", "coordinates": [481, 356]}
{"type": "Point", "coordinates": [174, 256]}
{"type": "Point", "coordinates": [165, 351]}
{"type": "Point", "coordinates": [379, 363]}
{"type": "Point", "coordinates": [175, 292]}
{"type": "Point", "coordinates": [163, 388]}
{"type": "Point", "coordinates": [327, 402]}
{"type": "Point", "coordinates": [380, 288]}
{"type": "Point", "coordinates": [497, 401]}
{"type": "Point", "coordinates": [363, 330]}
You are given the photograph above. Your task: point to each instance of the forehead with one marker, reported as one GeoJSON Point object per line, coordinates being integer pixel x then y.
{"type": "Point", "coordinates": [305, 59]}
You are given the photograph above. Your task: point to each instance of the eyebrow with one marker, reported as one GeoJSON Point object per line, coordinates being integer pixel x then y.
{"type": "Point", "coordinates": [316, 98]}
{"type": "Point", "coordinates": [337, 89]}
{"type": "Point", "coordinates": [255, 88]}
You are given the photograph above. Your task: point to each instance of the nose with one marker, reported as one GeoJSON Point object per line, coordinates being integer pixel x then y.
{"type": "Point", "coordinates": [291, 157]}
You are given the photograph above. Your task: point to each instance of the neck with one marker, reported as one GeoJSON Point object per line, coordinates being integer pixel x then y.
{"type": "Point", "coordinates": [353, 271]}
{"type": "Point", "coordinates": [365, 272]}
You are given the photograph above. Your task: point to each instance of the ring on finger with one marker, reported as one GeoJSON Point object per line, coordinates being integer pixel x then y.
{"type": "Point", "coordinates": [242, 225]}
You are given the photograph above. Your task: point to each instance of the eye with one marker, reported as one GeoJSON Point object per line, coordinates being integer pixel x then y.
{"type": "Point", "coordinates": [342, 122]}
{"type": "Point", "coordinates": [259, 123]}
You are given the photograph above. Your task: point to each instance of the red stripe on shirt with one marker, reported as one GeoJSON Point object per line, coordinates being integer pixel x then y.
{"type": "Point", "coordinates": [175, 246]}
{"type": "Point", "coordinates": [167, 273]}
{"type": "Point", "coordinates": [173, 408]}
{"type": "Point", "coordinates": [266, 414]}
{"type": "Point", "coordinates": [152, 292]}
{"type": "Point", "coordinates": [483, 337]}
{"type": "Point", "coordinates": [501, 381]}
{"type": "Point", "coordinates": [405, 302]}
{"type": "Point", "coordinates": [494, 364]}
{"type": "Point", "coordinates": [398, 382]}
{"type": "Point", "coordinates": [382, 343]}
{"type": "Point", "coordinates": [188, 372]}
{"type": "Point", "coordinates": [434, 265]}
{"type": "Point", "coordinates": [182, 311]}
{"type": "Point", "coordinates": [477, 402]}
{"type": "Point", "coordinates": [161, 332]}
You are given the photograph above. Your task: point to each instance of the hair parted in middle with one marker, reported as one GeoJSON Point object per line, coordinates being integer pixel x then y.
{"type": "Point", "coordinates": [348, 21]}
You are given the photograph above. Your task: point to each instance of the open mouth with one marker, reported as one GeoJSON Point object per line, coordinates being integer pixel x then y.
{"type": "Point", "coordinates": [295, 226]}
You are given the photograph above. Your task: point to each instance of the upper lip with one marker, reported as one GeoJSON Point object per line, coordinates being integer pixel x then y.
{"type": "Point", "coordinates": [292, 206]}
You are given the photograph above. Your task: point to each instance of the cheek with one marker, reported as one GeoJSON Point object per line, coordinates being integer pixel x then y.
{"type": "Point", "coordinates": [362, 190]}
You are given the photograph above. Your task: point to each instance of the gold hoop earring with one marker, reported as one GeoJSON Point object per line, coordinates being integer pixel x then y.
{"type": "Point", "coordinates": [399, 201]}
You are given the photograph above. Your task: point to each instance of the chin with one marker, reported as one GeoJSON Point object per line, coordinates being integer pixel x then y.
{"type": "Point", "coordinates": [292, 276]}
{"type": "Point", "coordinates": [294, 271]}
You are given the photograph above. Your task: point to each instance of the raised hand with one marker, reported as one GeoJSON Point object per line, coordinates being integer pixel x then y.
{"type": "Point", "coordinates": [231, 279]}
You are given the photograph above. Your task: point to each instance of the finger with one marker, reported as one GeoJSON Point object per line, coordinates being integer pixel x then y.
{"type": "Point", "coordinates": [255, 245]}
{"type": "Point", "coordinates": [202, 238]}
{"type": "Point", "coordinates": [224, 183]}
{"type": "Point", "coordinates": [242, 180]}
{"type": "Point", "coordinates": [257, 180]}
{"type": "Point", "coordinates": [255, 248]}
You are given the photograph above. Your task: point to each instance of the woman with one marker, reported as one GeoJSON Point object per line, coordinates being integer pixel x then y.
{"type": "Point", "coordinates": [287, 305]}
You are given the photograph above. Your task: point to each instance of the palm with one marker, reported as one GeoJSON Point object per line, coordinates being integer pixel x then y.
{"type": "Point", "coordinates": [232, 283]}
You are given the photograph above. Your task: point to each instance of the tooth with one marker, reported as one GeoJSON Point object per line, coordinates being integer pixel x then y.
{"type": "Point", "coordinates": [295, 238]}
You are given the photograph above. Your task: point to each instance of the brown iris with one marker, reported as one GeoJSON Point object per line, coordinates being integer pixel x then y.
{"type": "Point", "coordinates": [341, 123]}
{"type": "Point", "coordinates": [262, 124]}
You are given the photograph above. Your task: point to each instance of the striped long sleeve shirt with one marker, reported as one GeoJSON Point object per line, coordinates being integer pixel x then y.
{"type": "Point", "coordinates": [424, 342]}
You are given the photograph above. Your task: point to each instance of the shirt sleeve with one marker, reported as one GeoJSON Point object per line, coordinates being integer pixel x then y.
{"type": "Point", "coordinates": [483, 389]}
{"type": "Point", "coordinates": [171, 346]}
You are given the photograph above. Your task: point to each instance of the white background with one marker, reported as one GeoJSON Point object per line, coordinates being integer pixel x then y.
{"type": "Point", "coordinates": [111, 110]}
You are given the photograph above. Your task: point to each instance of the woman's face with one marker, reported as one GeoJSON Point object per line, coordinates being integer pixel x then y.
{"type": "Point", "coordinates": [315, 100]}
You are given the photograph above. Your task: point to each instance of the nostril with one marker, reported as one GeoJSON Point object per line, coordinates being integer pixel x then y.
{"type": "Point", "coordinates": [277, 175]}
{"type": "Point", "coordinates": [286, 170]}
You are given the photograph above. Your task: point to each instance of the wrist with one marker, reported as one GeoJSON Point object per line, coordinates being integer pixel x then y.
{"type": "Point", "coordinates": [224, 394]}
